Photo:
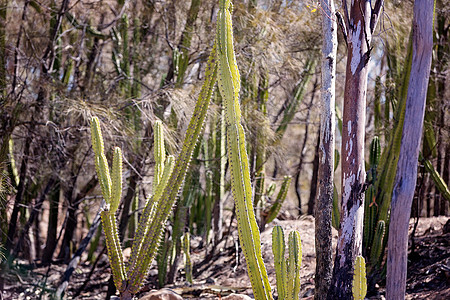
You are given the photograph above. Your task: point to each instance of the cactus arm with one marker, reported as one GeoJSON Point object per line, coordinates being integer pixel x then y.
{"type": "Point", "coordinates": [101, 165]}
{"type": "Point", "coordinates": [159, 152]}
{"type": "Point", "coordinates": [278, 249]}
{"type": "Point", "coordinates": [359, 279]}
{"type": "Point", "coordinates": [187, 257]}
{"type": "Point", "coordinates": [229, 84]}
{"type": "Point", "coordinates": [293, 269]}
{"type": "Point", "coordinates": [116, 189]}
{"type": "Point", "coordinates": [111, 190]}
{"type": "Point", "coordinates": [377, 244]}
{"type": "Point", "coordinates": [114, 249]}
{"type": "Point", "coordinates": [275, 209]}
{"type": "Point", "coordinates": [156, 213]}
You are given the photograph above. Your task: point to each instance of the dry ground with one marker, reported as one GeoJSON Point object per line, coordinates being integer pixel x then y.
{"type": "Point", "coordinates": [428, 272]}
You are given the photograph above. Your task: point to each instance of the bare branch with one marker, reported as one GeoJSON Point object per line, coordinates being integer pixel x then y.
{"type": "Point", "coordinates": [376, 14]}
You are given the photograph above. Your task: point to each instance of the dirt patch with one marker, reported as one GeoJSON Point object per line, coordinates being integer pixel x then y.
{"type": "Point", "coordinates": [225, 272]}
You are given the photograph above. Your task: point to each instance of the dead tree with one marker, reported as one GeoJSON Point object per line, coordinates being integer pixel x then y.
{"type": "Point", "coordinates": [406, 177]}
{"type": "Point", "coordinates": [324, 198]}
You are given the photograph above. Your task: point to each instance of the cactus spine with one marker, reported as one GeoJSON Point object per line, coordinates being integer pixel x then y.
{"type": "Point", "coordinates": [229, 86]}
{"type": "Point", "coordinates": [359, 279]}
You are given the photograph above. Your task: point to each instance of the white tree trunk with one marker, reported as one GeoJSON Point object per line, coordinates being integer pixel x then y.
{"type": "Point", "coordinates": [405, 179]}
{"type": "Point", "coordinates": [360, 20]}
{"type": "Point", "coordinates": [324, 202]}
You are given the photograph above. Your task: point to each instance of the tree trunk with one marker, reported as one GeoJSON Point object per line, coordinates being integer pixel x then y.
{"type": "Point", "coordinates": [50, 244]}
{"type": "Point", "coordinates": [314, 178]}
{"type": "Point", "coordinates": [361, 20]}
{"type": "Point", "coordinates": [405, 179]}
{"type": "Point", "coordinates": [324, 204]}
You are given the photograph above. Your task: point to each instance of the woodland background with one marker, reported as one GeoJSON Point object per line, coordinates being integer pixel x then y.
{"type": "Point", "coordinates": [133, 62]}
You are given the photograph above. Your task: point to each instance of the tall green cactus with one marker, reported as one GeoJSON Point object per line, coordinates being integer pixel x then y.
{"type": "Point", "coordinates": [156, 212]}
{"type": "Point", "coordinates": [359, 279]}
{"type": "Point", "coordinates": [287, 272]}
{"type": "Point", "coordinates": [158, 208]}
{"type": "Point", "coordinates": [229, 86]}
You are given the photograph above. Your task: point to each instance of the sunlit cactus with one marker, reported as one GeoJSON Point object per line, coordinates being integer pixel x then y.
{"type": "Point", "coordinates": [293, 268]}
{"type": "Point", "coordinates": [112, 191]}
{"type": "Point", "coordinates": [159, 152]}
{"type": "Point", "coordinates": [278, 249]}
{"type": "Point", "coordinates": [359, 279]}
{"type": "Point", "coordinates": [287, 271]}
{"type": "Point", "coordinates": [229, 86]}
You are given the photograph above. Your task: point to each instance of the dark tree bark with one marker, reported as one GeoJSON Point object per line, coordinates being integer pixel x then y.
{"type": "Point", "coordinates": [71, 223]}
{"type": "Point", "coordinates": [361, 20]}
{"type": "Point", "coordinates": [324, 204]}
{"type": "Point", "coordinates": [406, 177]}
{"type": "Point", "coordinates": [50, 244]}
{"type": "Point", "coordinates": [20, 193]}
{"type": "Point", "coordinates": [314, 178]}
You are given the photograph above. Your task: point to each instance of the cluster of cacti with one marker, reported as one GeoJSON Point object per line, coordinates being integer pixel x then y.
{"type": "Point", "coordinates": [111, 186]}
{"type": "Point", "coordinates": [287, 271]}
{"type": "Point", "coordinates": [158, 208]}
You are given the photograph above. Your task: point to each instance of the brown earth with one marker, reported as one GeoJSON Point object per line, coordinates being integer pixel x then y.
{"type": "Point", "coordinates": [225, 272]}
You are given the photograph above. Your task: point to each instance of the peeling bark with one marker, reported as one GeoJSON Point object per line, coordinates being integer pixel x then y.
{"type": "Point", "coordinates": [406, 177]}
{"type": "Point", "coordinates": [360, 22]}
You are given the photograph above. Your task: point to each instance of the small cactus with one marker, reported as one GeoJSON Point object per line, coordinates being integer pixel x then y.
{"type": "Point", "coordinates": [359, 279]}
{"type": "Point", "coordinates": [287, 271]}
{"type": "Point", "coordinates": [187, 256]}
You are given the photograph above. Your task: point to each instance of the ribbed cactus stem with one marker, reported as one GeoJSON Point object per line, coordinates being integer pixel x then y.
{"type": "Point", "coordinates": [377, 244]}
{"type": "Point", "coordinates": [187, 256]}
{"type": "Point", "coordinates": [229, 86]}
{"type": "Point", "coordinates": [159, 152]}
{"type": "Point", "coordinates": [101, 165]}
{"type": "Point", "coordinates": [278, 249]}
{"type": "Point", "coordinates": [293, 268]}
{"type": "Point", "coordinates": [114, 249]}
{"type": "Point", "coordinates": [116, 192]}
{"type": "Point", "coordinates": [359, 279]}
{"type": "Point", "coordinates": [375, 152]}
